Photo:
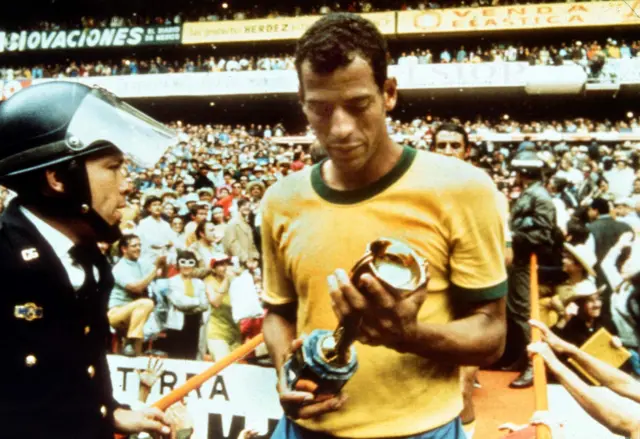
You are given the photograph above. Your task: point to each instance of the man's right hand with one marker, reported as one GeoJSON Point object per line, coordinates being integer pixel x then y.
{"type": "Point", "coordinates": [161, 261]}
{"type": "Point", "coordinates": [301, 402]}
{"type": "Point", "coordinates": [556, 343]}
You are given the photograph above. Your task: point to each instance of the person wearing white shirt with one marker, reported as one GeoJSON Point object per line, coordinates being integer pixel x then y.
{"type": "Point", "coordinates": [620, 178]}
{"type": "Point", "coordinates": [625, 212]}
{"type": "Point", "coordinates": [155, 233]}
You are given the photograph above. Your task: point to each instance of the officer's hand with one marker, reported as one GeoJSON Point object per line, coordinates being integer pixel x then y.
{"type": "Point", "coordinates": [302, 402]}
{"type": "Point", "coordinates": [387, 320]}
{"type": "Point", "coordinates": [149, 420]}
{"type": "Point", "coordinates": [179, 418]}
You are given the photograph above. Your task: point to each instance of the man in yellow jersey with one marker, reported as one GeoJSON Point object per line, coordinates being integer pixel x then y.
{"type": "Point", "coordinates": [317, 223]}
{"type": "Point", "coordinates": [452, 140]}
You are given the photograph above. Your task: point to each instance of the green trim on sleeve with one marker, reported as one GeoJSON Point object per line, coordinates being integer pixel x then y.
{"type": "Point", "coordinates": [473, 295]}
{"type": "Point", "coordinates": [509, 244]}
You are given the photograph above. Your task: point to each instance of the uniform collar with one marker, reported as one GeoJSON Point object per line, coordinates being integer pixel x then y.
{"type": "Point", "coordinates": [60, 243]}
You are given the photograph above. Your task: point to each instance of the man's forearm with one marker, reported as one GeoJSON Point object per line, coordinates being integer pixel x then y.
{"type": "Point", "coordinates": [607, 375]}
{"type": "Point", "coordinates": [611, 415]}
{"type": "Point", "coordinates": [477, 340]}
{"type": "Point", "coordinates": [278, 332]}
{"type": "Point", "coordinates": [141, 286]}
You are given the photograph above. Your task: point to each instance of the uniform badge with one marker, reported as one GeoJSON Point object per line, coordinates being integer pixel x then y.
{"type": "Point", "coordinates": [29, 254]}
{"type": "Point", "coordinates": [29, 312]}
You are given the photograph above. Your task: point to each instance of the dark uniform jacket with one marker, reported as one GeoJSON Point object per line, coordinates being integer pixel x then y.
{"type": "Point", "coordinates": [534, 229]}
{"type": "Point", "coordinates": [56, 381]}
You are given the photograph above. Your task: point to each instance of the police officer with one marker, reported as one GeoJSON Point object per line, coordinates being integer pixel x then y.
{"type": "Point", "coordinates": [62, 150]}
{"type": "Point", "coordinates": [534, 230]}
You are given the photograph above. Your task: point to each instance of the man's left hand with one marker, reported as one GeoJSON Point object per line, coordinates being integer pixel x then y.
{"type": "Point", "coordinates": [149, 420]}
{"type": "Point", "coordinates": [387, 320]}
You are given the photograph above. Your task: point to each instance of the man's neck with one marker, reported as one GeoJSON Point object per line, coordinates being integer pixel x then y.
{"type": "Point", "coordinates": [156, 217]}
{"type": "Point", "coordinates": [575, 278]}
{"type": "Point", "coordinates": [383, 161]}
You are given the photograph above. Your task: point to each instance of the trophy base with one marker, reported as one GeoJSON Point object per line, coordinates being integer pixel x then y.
{"type": "Point", "coordinates": [310, 363]}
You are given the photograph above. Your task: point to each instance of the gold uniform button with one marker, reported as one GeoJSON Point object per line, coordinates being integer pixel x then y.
{"type": "Point", "coordinates": [91, 371]}
{"type": "Point", "coordinates": [103, 411]}
{"type": "Point", "coordinates": [87, 330]}
{"type": "Point", "coordinates": [31, 360]}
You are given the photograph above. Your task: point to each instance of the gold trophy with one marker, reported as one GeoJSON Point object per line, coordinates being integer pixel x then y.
{"type": "Point", "coordinates": [329, 358]}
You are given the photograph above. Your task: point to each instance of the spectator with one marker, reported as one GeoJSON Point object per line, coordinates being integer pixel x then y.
{"type": "Point", "coordinates": [188, 311]}
{"type": "Point", "coordinates": [223, 334]}
{"type": "Point", "coordinates": [238, 238]}
{"type": "Point", "coordinates": [129, 302]}
{"type": "Point", "coordinates": [605, 232]}
{"type": "Point", "coordinates": [204, 247]}
{"type": "Point", "coordinates": [200, 213]}
{"type": "Point", "coordinates": [155, 233]}
{"type": "Point", "coordinates": [619, 418]}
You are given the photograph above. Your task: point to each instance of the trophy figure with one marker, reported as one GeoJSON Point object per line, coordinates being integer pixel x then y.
{"type": "Point", "coordinates": [328, 358]}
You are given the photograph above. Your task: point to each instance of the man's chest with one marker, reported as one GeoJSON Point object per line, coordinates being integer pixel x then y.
{"type": "Point", "coordinates": [321, 240]}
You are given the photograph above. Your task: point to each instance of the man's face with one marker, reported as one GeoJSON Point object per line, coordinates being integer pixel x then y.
{"type": "Point", "coordinates": [132, 251]}
{"type": "Point", "coordinates": [206, 197]}
{"type": "Point", "coordinates": [108, 185]}
{"type": "Point", "coordinates": [636, 187]}
{"type": "Point", "coordinates": [622, 210]}
{"type": "Point", "coordinates": [347, 112]}
{"type": "Point", "coordinates": [450, 143]}
{"type": "Point", "coordinates": [245, 210]}
{"type": "Point", "coordinates": [256, 191]}
{"type": "Point", "coordinates": [236, 189]}
{"type": "Point", "coordinates": [209, 232]}
{"type": "Point", "coordinates": [201, 215]}
{"type": "Point", "coordinates": [169, 210]}
{"type": "Point", "coordinates": [155, 209]}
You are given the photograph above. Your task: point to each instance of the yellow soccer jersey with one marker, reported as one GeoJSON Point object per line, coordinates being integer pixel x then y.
{"type": "Point", "coordinates": [447, 211]}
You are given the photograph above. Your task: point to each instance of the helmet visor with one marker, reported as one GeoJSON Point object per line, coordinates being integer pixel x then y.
{"type": "Point", "coordinates": [103, 118]}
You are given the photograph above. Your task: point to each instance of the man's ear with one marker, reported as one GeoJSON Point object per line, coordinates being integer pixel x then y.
{"type": "Point", "coordinates": [53, 181]}
{"type": "Point", "coordinates": [390, 93]}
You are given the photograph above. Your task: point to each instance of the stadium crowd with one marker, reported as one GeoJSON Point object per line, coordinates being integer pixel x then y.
{"type": "Point", "coordinates": [188, 269]}
{"type": "Point", "coordinates": [227, 11]}
{"type": "Point", "coordinates": [585, 54]}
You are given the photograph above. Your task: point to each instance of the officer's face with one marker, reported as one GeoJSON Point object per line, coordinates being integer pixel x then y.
{"type": "Point", "coordinates": [108, 183]}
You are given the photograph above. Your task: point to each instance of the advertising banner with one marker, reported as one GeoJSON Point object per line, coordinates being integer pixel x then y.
{"type": "Point", "coordinates": [285, 28]}
{"type": "Point", "coordinates": [89, 38]}
{"type": "Point", "coordinates": [240, 397]}
{"type": "Point", "coordinates": [428, 76]}
{"type": "Point", "coordinates": [500, 18]}
{"type": "Point", "coordinates": [195, 84]}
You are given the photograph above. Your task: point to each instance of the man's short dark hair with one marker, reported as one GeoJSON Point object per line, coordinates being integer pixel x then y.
{"type": "Point", "coordinates": [242, 202]}
{"type": "Point", "coordinates": [336, 39]}
{"type": "Point", "coordinates": [455, 128]}
{"type": "Point", "coordinates": [150, 200]}
{"type": "Point", "coordinates": [601, 205]}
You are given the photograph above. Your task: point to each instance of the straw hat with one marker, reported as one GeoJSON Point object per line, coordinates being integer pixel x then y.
{"type": "Point", "coordinates": [584, 256]}
{"type": "Point", "coordinates": [583, 289]}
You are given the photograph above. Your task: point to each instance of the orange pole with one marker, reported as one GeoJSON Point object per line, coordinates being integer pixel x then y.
{"type": "Point", "coordinates": [195, 382]}
{"type": "Point", "coordinates": [539, 375]}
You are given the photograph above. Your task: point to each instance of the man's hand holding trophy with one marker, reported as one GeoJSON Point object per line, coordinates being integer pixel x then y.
{"type": "Point", "coordinates": [376, 304]}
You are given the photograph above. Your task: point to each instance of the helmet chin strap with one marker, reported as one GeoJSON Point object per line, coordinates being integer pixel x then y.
{"type": "Point", "coordinates": [75, 204]}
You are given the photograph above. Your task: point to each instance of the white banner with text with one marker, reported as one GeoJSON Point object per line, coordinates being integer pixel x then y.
{"type": "Point", "coordinates": [240, 397]}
